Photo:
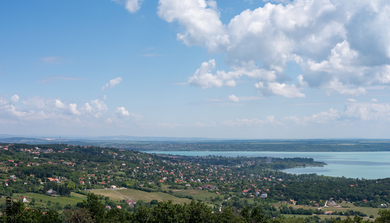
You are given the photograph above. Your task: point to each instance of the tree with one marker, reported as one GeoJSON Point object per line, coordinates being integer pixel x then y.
{"type": "Point", "coordinates": [94, 206]}
{"type": "Point", "coordinates": [81, 215]}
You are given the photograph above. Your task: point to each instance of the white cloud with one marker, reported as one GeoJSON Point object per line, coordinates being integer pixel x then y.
{"type": "Point", "coordinates": [15, 98]}
{"type": "Point", "coordinates": [234, 98]}
{"type": "Point", "coordinates": [130, 5]}
{"type": "Point", "coordinates": [341, 46]}
{"type": "Point", "coordinates": [133, 5]}
{"type": "Point", "coordinates": [38, 102]}
{"type": "Point", "coordinates": [59, 104]}
{"type": "Point", "coordinates": [203, 78]}
{"type": "Point", "coordinates": [351, 100]}
{"type": "Point", "coordinates": [368, 112]}
{"type": "Point", "coordinates": [73, 109]}
{"type": "Point", "coordinates": [374, 99]}
{"type": "Point", "coordinates": [323, 117]}
{"type": "Point", "coordinates": [122, 112]}
{"type": "Point", "coordinates": [108, 120]}
{"type": "Point", "coordinates": [105, 97]}
{"type": "Point", "coordinates": [274, 88]}
{"type": "Point", "coordinates": [99, 105]}
{"type": "Point", "coordinates": [112, 83]}
{"type": "Point", "coordinates": [199, 19]}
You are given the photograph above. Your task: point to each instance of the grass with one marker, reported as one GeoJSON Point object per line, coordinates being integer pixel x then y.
{"type": "Point", "coordinates": [203, 195]}
{"type": "Point", "coordinates": [72, 200]}
{"type": "Point", "coordinates": [366, 210]}
{"type": "Point", "coordinates": [140, 195]}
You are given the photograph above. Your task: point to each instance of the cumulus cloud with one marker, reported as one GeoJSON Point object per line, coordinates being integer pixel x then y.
{"type": "Point", "coordinates": [15, 98]}
{"type": "Point", "coordinates": [133, 5]}
{"type": "Point", "coordinates": [130, 5]}
{"type": "Point", "coordinates": [112, 83]}
{"type": "Point", "coordinates": [275, 88]}
{"type": "Point", "coordinates": [374, 99]}
{"type": "Point", "coordinates": [100, 106]}
{"type": "Point", "coordinates": [199, 19]}
{"type": "Point", "coordinates": [351, 100]}
{"type": "Point", "coordinates": [73, 109]}
{"type": "Point", "coordinates": [353, 112]}
{"type": "Point", "coordinates": [59, 104]}
{"type": "Point", "coordinates": [341, 46]}
{"type": "Point", "coordinates": [123, 113]}
{"type": "Point", "coordinates": [204, 77]}
{"type": "Point", "coordinates": [234, 98]}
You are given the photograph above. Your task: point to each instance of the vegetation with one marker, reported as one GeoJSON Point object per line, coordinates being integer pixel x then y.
{"type": "Point", "coordinates": [65, 180]}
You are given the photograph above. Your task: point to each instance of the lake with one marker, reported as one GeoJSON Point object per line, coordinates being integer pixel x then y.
{"type": "Point", "coordinates": [368, 165]}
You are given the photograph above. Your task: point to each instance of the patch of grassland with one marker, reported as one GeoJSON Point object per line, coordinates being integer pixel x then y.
{"type": "Point", "coordinates": [141, 195]}
{"type": "Point", "coordinates": [345, 206]}
{"type": "Point", "coordinates": [72, 200]}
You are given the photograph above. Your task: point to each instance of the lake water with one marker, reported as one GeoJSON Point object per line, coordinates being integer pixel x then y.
{"type": "Point", "coordinates": [368, 165]}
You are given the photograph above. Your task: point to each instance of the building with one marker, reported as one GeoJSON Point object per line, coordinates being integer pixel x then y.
{"type": "Point", "coordinates": [263, 196]}
{"type": "Point", "coordinates": [24, 199]}
{"type": "Point", "coordinates": [51, 192]}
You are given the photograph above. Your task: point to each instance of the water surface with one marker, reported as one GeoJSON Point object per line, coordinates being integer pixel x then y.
{"type": "Point", "coordinates": [368, 165]}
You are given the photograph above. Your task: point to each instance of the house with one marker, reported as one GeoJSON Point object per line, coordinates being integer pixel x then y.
{"type": "Point", "coordinates": [332, 203]}
{"type": "Point", "coordinates": [24, 200]}
{"type": "Point", "coordinates": [328, 212]}
{"type": "Point", "coordinates": [188, 185]}
{"type": "Point", "coordinates": [263, 196]}
{"type": "Point", "coordinates": [131, 203]}
{"type": "Point", "coordinates": [113, 187]}
{"type": "Point", "coordinates": [382, 206]}
{"type": "Point", "coordinates": [119, 207]}
{"type": "Point", "coordinates": [13, 177]}
{"type": "Point", "coordinates": [51, 192]}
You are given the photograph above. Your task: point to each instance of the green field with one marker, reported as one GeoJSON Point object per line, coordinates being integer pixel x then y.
{"type": "Point", "coordinates": [203, 195]}
{"type": "Point", "coordinates": [140, 195]}
{"type": "Point", "coordinates": [72, 200]}
{"type": "Point", "coordinates": [366, 210]}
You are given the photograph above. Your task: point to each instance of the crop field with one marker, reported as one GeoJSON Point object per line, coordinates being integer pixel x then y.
{"type": "Point", "coordinates": [366, 210]}
{"type": "Point", "coordinates": [140, 195]}
{"type": "Point", "coordinates": [203, 195]}
{"type": "Point", "coordinates": [72, 200]}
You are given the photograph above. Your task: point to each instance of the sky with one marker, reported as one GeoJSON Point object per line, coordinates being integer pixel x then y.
{"type": "Point", "coordinates": [237, 69]}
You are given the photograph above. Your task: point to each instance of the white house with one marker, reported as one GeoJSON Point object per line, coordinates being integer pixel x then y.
{"type": "Point", "coordinates": [263, 196]}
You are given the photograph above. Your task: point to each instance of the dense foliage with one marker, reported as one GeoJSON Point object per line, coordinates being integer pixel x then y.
{"type": "Point", "coordinates": [92, 210]}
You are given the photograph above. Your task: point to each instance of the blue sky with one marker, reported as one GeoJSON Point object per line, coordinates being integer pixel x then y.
{"type": "Point", "coordinates": [195, 68]}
